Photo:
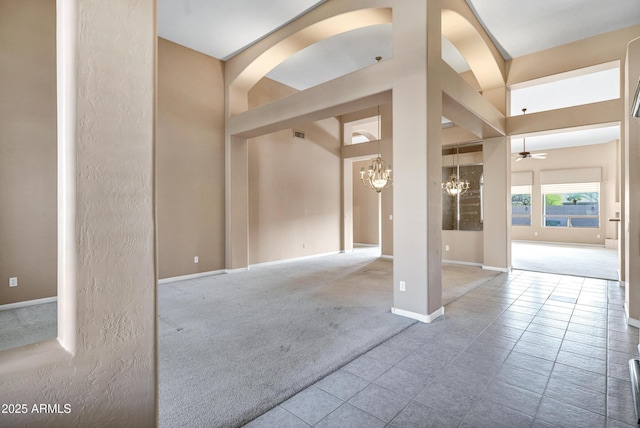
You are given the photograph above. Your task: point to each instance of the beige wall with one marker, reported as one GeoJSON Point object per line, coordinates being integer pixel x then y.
{"type": "Point", "coordinates": [28, 150]}
{"type": "Point", "coordinates": [190, 161]}
{"type": "Point", "coordinates": [294, 193]}
{"type": "Point", "coordinates": [463, 246]}
{"type": "Point", "coordinates": [294, 187]}
{"type": "Point", "coordinates": [604, 156]}
{"type": "Point", "coordinates": [366, 209]}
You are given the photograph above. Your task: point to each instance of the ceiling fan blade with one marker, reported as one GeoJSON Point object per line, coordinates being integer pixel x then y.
{"type": "Point", "coordinates": [519, 159]}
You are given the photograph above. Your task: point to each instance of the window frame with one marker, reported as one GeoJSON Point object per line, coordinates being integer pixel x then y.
{"type": "Point", "coordinates": [567, 189]}
{"type": "Point", "coordinates": [521, 190]}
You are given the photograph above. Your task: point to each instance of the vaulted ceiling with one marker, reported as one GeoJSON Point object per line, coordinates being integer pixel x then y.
{"type": "Point", "coordinates": [222, 28]}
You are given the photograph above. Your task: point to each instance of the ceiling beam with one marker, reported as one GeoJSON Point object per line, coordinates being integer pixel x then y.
{"type": "Point", "coordinates": [467, 108]}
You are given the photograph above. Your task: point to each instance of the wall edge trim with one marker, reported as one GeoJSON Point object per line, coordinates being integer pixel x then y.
{"type": "Point", "coordinates": [294, 259]}
{"type": "Point", "coordinates": [458, 262]}
{"type": "Point", "coordinates": [633, 323]}
{"type": "Point", "coordinates": [28, 303]}
{"type": "Point", "coordinates": [419, 317]}
{"type": "Point", "coordinates": [190, 276]}
{"type": "Point", "coordinates": [237, 270]}
{"type": "Point", "coordinates": [497, 269]}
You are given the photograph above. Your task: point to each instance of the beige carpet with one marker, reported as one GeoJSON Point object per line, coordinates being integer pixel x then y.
{"type": "Point", "coordinates": [566, 259]}
{"type": "Point", "coordinates": [233, 346]}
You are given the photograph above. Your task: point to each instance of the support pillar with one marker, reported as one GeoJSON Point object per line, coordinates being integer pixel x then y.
{"type": "Point", "coordinates": [417, 157]}
{"type": "Point", "coordinates": [497, 204]}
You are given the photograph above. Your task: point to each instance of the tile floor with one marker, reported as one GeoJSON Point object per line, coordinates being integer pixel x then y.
{"type": "Point", "coordinates": [523, 350]}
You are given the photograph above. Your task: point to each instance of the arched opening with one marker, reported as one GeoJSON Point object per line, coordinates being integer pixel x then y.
{"type": "Point", "coordinates": [251, 72]}
{"type": "Point", "coordinates": [466, 38]}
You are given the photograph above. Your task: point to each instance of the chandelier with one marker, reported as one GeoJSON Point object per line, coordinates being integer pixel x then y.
{"type": "Point", "coordinates": [454, 186]}
{"type": "Point", "coordinates": [378, 176]}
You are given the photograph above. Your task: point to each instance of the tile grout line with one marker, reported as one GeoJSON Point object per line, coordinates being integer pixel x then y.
{"type": "Point", "coordinates": [556, 358]}
{"type": "Point", "coordinates": [464, 419]}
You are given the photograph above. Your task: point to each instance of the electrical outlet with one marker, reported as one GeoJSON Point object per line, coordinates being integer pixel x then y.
{"type": "Point", "coordinates": [13, 282]}
{"type": "Point", "coordinates": [446, 248]}
{"type": "Point", "coordinates": [403, 286]}
{"type": "Point", "coordinates": [390, 216]}
{"type": "Point", "coordinates": [196, 259]}
{"type": "Point", "coordinates": [598, 236]}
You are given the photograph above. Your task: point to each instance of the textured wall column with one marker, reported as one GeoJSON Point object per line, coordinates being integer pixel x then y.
{"type": "Point", "coordinates": [632, 189]}
{"type": "Point", "coordinates": [106, 373]}
{"type": "Point", "coordinates": [497, 204]}
{"type": "Point", "coordinates": [417, 156]}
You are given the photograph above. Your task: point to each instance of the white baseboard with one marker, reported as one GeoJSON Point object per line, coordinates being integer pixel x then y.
{"type": "Point", "coordinates": [422, 318]}
{"type": "Point", "coordinates": [485, 267]}
{"type": "Point", "coordinates": [626, 309]}
{"type": "Point", "coordinates": [295, 259]}
{"type": "Point", "coordinates": [458, 262]}
{"type": "Point", "coordinates": [238, 270]}
{"type": "Point", "coordinates": [244, 269]}
{"type": "Point", "coordinates": [385, 256]}
{"type": "Point", "coordinates": [633, 322]}
{"type": "Point", "coordinates": [497, 269]}
{"type": "Point", "coordinates": [28, 303]}
{"type": "Point", "coordinates": [191, 276]}
{"type": "Point", "coordinates": [565, 244]}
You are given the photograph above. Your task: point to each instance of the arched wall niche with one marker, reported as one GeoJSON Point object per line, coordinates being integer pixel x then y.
{"type": "Point", "coordinates": [244, 73]}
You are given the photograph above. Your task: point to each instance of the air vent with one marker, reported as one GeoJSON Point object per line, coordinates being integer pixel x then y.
{"type": "Point", "coordinates": [298, 134]}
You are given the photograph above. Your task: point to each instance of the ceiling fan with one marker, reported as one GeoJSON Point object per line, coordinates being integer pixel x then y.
{"type": "Point", "coordinates": [524, 154]}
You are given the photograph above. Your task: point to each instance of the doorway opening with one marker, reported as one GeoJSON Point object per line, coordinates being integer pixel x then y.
{"type": "Point", "coordinates": [367, 212]}
{"type": "Point", "coordinates": [566, 205]}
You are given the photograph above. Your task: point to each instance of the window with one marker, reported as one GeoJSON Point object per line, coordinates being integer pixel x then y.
{"type": "Point", "coordinates": [571, 205]}
{"type": "Point", "coordinates": [521, 205]}
{"type": "Point", "coordinates": [578, 87]}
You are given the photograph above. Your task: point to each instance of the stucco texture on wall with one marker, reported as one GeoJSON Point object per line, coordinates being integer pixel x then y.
{"type": "Point", "coordinates": [106, 373]}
